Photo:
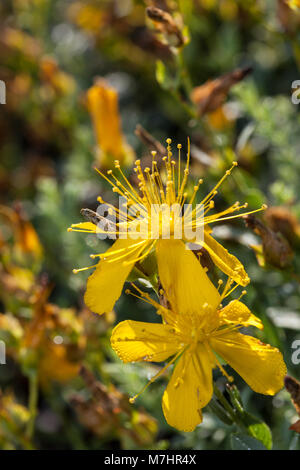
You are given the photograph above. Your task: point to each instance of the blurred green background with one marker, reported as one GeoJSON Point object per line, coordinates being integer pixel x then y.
{"type": "Point", "coordinates": [62, 387]}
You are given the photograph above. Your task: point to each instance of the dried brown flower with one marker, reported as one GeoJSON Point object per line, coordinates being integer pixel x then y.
{"type": "Point", "coordinates": [211, 95]}
{"type": "Point", "coordinates": [104, 412]}
{"type": "Point", "coordinates": [280, 219]}
{"type": "Point", "coordinates": [150, 141]}
{"type": "Point", "coordinates": [276, 249]}
{"type": "Point", "coordinates": [166, 25]}
{"type": "Point", "coordinates": [293, 387]}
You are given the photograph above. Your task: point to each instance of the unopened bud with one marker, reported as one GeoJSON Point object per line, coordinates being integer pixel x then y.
{"type": "Point", "coordinates": [276, 249]}
{"type": "Point", "coordinates": [166, 25]}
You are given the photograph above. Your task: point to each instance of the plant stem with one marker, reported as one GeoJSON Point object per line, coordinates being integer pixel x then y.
{"type": "Point", "coordinates": [184, 74]}
{"type": "Point", "coordinates": [229, 408]}
{"type": "Point", "coordinates": [183, 104]}
{"type": "Point", "coordinates": [33, 399]}
{"type": "Point", "coordinates": [225, 403]}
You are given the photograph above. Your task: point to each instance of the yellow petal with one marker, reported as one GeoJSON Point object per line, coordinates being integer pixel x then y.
{"type": "Point", "coordinates": [140, 341]}
{"type": "Point", "coordinates": [259, 364]}
{"type": "Point", "coordinates": [103, 105]}
{"type": "Point", "coordinates": [228, 263]}
{"type": "Point", "coordinates": [105, 285]}
{"type": "Point", "coordinates": [183, 278]}
{"type": "Point", "coordinates": [189, 390]}
{"type": "Point", "coordinates": [86, 226]}
{"type": "Point", "coordinates": [237, 313]}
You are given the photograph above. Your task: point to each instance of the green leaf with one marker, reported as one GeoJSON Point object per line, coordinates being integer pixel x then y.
{"type": "Point", "coordinates": [259, 430]}
{"type": "Point", "coordinates": [164, 77]}
{"type": "Point", "coordinates": [240, 441]}
{"type": "Point", "coordinates": [145, 272]}
{"type": "Point", "coordinates": [160, 73]}
{"type": "Point", "coordinates": [255, 427]}
{"type": "Point", "coordinates": [136, 274]}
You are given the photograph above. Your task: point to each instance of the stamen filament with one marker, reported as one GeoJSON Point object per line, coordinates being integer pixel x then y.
{"type": "Point", "coordinates": [156, 376]}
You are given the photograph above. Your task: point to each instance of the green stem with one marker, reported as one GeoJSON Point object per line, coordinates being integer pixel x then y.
{"type": "Point", "coordinates": [225, 403]}
{"type": "Point", "coordinates": [228, 408]}
{"type": "Point", "coordinates": [33, 399]}
{"type": "Point", "coordinates": [184, 74]}
{"type": "Point", "coordinates": [184, 104]}
{"type": "Point", "coordinates": [296, 52]}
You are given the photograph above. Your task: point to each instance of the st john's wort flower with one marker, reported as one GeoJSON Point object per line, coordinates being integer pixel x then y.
{"type": "Point", "coordinates": [195, 331]}
{"type": "Point", "coordinates": [138, 231]}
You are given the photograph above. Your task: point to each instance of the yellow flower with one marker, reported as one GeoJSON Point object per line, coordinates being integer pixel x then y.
{"type": "Point", "coordinates": [196, 330]}
{"type": "Point", "coordinates": [164, 189]}
{"type": "Point", "coordinates": [87, 16]}
{"type": "Point", "coordinates": [294, 4]}
{"type": "Point", "coordinates": [102, 102]}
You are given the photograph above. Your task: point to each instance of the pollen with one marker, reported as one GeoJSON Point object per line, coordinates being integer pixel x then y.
{"type": "Point", "coordinates": [148, 211]}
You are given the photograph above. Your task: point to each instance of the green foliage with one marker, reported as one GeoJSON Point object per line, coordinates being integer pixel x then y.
{"type": "Point", "coordinates": [47, 147]}
{"type": "Point", "coordinates": [241, 441]}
